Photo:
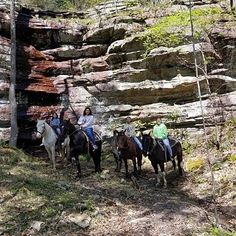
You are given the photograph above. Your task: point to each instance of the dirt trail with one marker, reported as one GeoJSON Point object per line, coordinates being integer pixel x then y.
{"type": "Point", "coordinates": [126, 210]}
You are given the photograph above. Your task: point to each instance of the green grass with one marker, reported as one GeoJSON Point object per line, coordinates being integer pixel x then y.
{"type": "Point", "coordinates": [31, 191]}
{"type": "Point", "coordinates": [215, 231]}
{"type": "Point", "coordinates": [175, 29]}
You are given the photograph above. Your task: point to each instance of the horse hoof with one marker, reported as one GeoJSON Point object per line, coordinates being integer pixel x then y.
{"type": "Point", "coordinates": [98, 171]}
{"type": "Point", "coordinates": [78, 176]}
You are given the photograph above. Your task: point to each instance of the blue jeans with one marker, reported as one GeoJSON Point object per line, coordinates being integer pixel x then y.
{"type": "Point", "coordinates": [138, 142]}
{"type": "Point", "coordinates": [56, 130]}
{"type": "Point", "coordinates": [90, 133]}
{"type": "Point", "coordinates": [167, 144]}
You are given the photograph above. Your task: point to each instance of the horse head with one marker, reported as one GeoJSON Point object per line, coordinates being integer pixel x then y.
{"type": "Point", "coordinates": [147, 142]}
{"type": "Point", "coordinates": [121, 141]}
{"type": "Point", "coordinates": [67, 128]}
{"type": "Point", "coordinates": [41, 128]}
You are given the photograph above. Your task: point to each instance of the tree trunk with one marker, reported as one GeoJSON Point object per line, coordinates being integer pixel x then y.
{"type": "Point", "coordinates": [12, 95]}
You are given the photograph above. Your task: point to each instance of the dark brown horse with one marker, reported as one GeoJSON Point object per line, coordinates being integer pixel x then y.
{"type": "Point", "coordinates": [79, 145]}
{"type": "Point", "coordinates": [157, 154]}
{"type": "Point", "coordinates": [127, 150]}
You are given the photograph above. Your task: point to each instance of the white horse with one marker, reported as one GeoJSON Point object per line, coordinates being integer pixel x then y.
{"type": "Point", "coordinates": [49, 139]}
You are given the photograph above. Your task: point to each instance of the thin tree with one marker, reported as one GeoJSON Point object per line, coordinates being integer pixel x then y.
{"type": "Point", "coordinates": [203, 117]}
{"type": "Point", "coordinates": [12, 95]}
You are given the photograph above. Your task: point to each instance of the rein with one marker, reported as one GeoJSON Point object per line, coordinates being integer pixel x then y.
{"type": "Point", "coordinates": [74, 132]}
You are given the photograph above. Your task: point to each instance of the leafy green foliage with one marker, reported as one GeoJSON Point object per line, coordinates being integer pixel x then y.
{"type": "Point", "coordinates": [174, 116]}
{"type": "Point", "coordinates": [175, 29]}
{"type": "Point", "coordinates": [132, 3]}
{"type": "Point", "coordinates": [215, 231]}
{"type": "Point", "coordinates": [61, 5]}
{"type": "Point", "coordinates": [232, 158]}
{"type": "Point", "coordinates": [90, 204]}
{"type": "Point", "coordinates": [187, 147]}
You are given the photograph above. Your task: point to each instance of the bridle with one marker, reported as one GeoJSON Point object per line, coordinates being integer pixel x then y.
{"type": "Point", "coordinates": [123, 148]}
{"type": "Point", "coordinates": [148, 140]}
{"type": "Point", "coordinates": [44, 128]}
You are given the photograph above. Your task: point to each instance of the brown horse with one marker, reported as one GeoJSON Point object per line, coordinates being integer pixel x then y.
{"type": "Point", "coordinates": [79, 145]}
{"type": "Point", "coordinates": [127, 150]}
{"type": "Point", "coordinates": [156, 153]}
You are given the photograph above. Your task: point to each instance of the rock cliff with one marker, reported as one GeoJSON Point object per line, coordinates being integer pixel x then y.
{"type": "Point", "coordinates": [127, 60]}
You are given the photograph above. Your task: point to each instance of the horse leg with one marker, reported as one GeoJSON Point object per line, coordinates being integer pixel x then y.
{"type": "Point", "coordinates": [163, 174]}
{"type": "Point", "coordinates": [155, 167]}
{"type": "Point", "coordinates": [78, 166]}
{"type": "Point", "coordinates": [50, 156]}
{"type": "Point", "coordinates": [116, 159]}
{"type": "Point", "coordinates": [66, 150]}
{"type": "Point", "coordinates": [53, 158]}
{"type": "Point", "coordinates": [179, 159]}
{"type": "Point", "coordinates": [174, 164]}
{"type": "Point", "coordinates": [139, 163]}
{"type": "Point", "coordinates": [134, 164]}
{"type": "Point", "coordinates": [76, 157]}
{"type": "Point", "coordinates": [96, 159]}
{"type": "Point", "coordinates": [117, 169]}
{"type": "Point", "coordinates": [126, 168]}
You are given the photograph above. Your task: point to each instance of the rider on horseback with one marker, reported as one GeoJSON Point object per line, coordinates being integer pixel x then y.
{"type": "Point", "coordinates": [86, 121]}
{"type": "Point", "coordinates": [55, 124]}
{"type": "Point", "coordinates": [130, 132]}
{"type": "Point", "coordinates": [160, 132]}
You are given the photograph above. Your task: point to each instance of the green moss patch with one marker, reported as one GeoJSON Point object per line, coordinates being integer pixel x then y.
{"type": "Point", "coordinates": [175, 29]}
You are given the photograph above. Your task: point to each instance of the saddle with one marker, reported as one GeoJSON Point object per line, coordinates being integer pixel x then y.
{"type": "Point", "coordinates": [136, 145]}
{"type": "Point", "coordinates": [172, 141]}
{"type": "Point", "coordinates": [97, 136]}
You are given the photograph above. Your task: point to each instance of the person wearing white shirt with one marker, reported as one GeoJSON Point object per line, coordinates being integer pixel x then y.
{"type": "Point", "coordinates": [86, 122]}
{"type": "Point", "coordinates": [130, 132]}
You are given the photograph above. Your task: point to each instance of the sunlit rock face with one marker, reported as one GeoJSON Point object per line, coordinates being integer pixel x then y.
{"type": "Point", "coordinates": [64, 63]}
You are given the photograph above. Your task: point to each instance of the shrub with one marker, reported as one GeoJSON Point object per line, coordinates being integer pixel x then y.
{"type": "Point", "coordinates": [215, 231]}
{"type": "Point", "coordinates": [194, 164]}
{"type": "Point", "coordinates": [232, 158]}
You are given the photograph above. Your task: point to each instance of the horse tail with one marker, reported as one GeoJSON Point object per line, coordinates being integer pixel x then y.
{"type": "Point", "coordinates": [179, 151]}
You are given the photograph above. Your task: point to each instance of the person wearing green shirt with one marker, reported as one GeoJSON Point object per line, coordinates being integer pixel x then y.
{"type": "Point", "coordinates": [160, 132]}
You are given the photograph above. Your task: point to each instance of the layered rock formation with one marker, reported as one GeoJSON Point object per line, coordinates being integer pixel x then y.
{"type": "Point", "coordinates": [62, 62]}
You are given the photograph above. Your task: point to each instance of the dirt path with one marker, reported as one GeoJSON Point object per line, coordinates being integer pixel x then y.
{"type": "Point", "coordinates": [126, 210]}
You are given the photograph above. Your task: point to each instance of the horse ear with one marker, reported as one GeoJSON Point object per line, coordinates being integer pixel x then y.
{"type": "Point", "coordinates": [122, 132]}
